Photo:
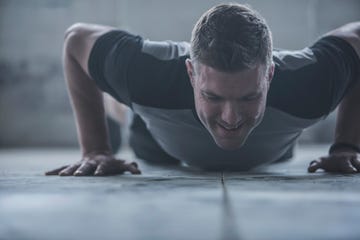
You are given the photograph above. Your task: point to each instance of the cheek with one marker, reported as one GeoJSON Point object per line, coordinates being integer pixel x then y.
{"type": "Point", "coordinates": [256, 110]}
{"type": "Point", "coordinates": [205, 109]}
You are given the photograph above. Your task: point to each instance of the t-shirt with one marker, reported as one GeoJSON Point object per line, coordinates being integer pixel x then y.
{"type": "Point", "coordinates": [151, 78]}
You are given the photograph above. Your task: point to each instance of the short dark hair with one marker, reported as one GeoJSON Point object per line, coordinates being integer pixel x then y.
{"type": "Point", "coordinates": [231, 37]}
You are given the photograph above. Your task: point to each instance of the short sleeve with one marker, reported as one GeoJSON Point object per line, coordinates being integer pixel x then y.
{"type": "Point", "coordinates": [109, 62]}
{"type": "Point", "coordinates": [310, 83]}
{"type": "Point", "coordinates": [133, 70]}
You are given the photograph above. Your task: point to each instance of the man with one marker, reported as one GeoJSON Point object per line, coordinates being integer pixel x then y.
{"type": "Point", "coordinates": [225, 102]}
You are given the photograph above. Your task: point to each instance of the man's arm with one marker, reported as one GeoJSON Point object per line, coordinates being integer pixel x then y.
{"type": "Point", "coordinates": [344, 158]}
{"type": "Point", "coordinates": [86, 98]}
{"type": "Point", "coordinates": [348, 118]}
{"type": "Point", "coordinates": [88, 106]}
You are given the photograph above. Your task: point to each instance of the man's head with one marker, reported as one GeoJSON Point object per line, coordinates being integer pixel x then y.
{"type": "Point", "coordinates": [230, 70]}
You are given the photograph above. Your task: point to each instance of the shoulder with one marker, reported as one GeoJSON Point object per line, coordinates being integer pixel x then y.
{"type": "Point", "coordinates": [136, 70]}
{"type": "Point", "coordinates": [350, 33]}
{"type": "Point", "coordinates": [310, 83]}
{"type": "Point", "coordinates": [79, 40]}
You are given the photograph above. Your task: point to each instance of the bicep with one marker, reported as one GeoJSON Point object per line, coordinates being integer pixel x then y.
{"type": "Point", "coordinates": [80, 39]}
{"type": "Point", "coordinates": [350, 33]}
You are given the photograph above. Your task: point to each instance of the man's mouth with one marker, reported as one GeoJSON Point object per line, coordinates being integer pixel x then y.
{"type": "Point", "coordinates": [231, 128]}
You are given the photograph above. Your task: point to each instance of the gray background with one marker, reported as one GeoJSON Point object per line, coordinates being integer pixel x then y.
{"type": "Point", "coordinates": [34, 107]}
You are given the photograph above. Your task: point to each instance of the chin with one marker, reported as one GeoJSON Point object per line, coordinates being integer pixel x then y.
{"type": "Point", "coordinates": [229, 144]}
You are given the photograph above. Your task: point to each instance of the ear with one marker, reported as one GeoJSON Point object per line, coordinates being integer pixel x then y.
{"type": "Point", "coordinates": [191, 71]}
{"type": "Point", "coordinates": [271, 72]}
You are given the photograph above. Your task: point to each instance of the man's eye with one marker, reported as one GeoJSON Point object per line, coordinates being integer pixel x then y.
{"type": "Point", "coordinates": [252, 98]}
{"type": "Point", "coordinates": [212, 98]}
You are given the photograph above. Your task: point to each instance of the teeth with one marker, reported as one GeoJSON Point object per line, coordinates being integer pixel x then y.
{"type": "Point", "coordinates": [232, 128]}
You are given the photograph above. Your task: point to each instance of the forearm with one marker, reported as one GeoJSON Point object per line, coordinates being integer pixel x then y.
{"type": "Point", "coordinates": [87, 103]}
{"type": "Point", "coordinates": [348, 117]}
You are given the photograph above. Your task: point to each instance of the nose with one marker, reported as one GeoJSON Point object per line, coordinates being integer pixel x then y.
{"type": "Point", "coordinates": [230, 116]}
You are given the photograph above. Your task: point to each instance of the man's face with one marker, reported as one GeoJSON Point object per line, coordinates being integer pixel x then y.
{"type": "Point", "coordinates": [230, 105]}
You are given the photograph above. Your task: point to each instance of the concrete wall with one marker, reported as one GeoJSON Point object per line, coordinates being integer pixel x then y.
{"type": "Point", "coordinates": [34, 107]}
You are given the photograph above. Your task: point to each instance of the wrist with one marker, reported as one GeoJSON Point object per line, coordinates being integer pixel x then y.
{"type": "Point", "coordinates": [92, 153]}
{"type": "Point", "coordinates": [344, 147]}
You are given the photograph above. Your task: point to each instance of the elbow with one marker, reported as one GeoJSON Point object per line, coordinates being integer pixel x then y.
{"type": "Point", "coordinates": [75, 28]}
{"type": "Point", "coordinates": [350, 33]}
{"type": "Point", "coordinates": [73, 38]}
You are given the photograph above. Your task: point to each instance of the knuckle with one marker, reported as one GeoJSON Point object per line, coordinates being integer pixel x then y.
{"type": "Point", "coordinates": [91, 162]}
{"type": "Point", "coordinates": [313, 162]}
{"type": "Point", "coordinates": [134, 164]}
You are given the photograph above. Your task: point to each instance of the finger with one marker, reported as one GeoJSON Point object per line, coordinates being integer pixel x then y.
{"type": "Point", "coordinates": [314, 165]}
{"type": "Point", "coordinates": [55, 171]}
{"type": "Point", "coordinates": [110, 168]}
{"type": "Point", "coordinates": [69, 170]}
{"type": "Point", "coordinates": [133, 168]}
{"type": "Point", "coordinates": [119, 167]}
{"type": "Point", "coordinates": [347, 167]}
{"type": "Point", "coordinates": [356, 163]}
{"type": "Point", "coordinates": [135, 164]}
{"type": "Point", "coordinates": [85, 169]}
{"type": "Point", "coordinates": [116, 167]}
{"type": "Point", "coordinates": [102, 170]}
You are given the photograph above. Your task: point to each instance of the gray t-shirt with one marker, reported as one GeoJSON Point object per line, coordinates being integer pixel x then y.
{"type": "Point", "coordinates": [150, 77]}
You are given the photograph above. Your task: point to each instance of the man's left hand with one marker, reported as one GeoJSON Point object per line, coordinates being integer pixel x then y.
{"type": "Point", "coordinates": [337, 162]}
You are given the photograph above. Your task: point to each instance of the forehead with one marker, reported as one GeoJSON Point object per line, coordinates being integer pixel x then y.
{"type": "Point", "coordinates": [242, 82]}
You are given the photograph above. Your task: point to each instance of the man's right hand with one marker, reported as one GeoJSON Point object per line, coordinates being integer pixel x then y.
{"type": "Point", "coordinates": [96, 165]}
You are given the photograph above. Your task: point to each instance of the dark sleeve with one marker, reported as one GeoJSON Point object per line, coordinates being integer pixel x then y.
{"type": "Point", "coordinates": [310, 83]}
{"type": "Point", "coordinates": [133, 70]}
{"type": "Point", "coordinates": [109, 61]}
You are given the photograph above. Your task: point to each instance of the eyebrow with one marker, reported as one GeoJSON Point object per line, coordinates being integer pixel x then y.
{"type": "Point", "coordinates": [218, 96]}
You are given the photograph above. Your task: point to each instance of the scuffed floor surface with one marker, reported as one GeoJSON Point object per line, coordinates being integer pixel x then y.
{"type": "Point", "coordinates": [282, 201]}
